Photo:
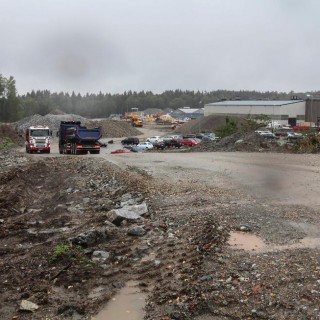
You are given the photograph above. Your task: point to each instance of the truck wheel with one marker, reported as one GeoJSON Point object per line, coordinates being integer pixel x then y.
{"type": "Point", "coordinates": [27, 151]}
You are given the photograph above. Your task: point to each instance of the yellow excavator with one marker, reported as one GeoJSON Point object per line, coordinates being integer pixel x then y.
{"type": "Point", "coordinates": [136, 122]}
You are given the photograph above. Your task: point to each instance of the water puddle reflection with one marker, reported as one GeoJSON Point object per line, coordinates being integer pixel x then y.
{"type": "Point", "coordinates": [251, 242]}
{"type": "Point", "coordinates": [128, 304]}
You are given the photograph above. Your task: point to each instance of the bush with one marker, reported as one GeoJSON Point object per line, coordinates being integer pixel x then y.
{"type": "Point", "coordinates": [8, 137]}
{"type": "Point", "coordinates": [69, 253]}
{"type": "Point", "coordinates": [228, 129]}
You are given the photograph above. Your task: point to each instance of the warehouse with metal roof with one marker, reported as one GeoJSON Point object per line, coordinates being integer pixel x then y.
{"type": "Point", "coordinates": [284, 111]}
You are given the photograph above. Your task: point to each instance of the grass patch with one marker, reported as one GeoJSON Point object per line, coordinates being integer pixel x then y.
{"type": "Point", "coordinates": [67, 252]}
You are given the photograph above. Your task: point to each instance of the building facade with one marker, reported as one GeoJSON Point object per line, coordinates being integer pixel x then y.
{"type": "Point", "coordinates": [285, 112]}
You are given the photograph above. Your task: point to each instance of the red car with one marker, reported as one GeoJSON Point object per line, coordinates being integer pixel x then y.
{"type": "Point", "coordinates": [119, 151]}
{"type": "Point", "coordinates": [189, 142]}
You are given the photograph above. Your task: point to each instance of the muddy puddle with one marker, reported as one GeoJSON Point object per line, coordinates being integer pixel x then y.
{"type": "Point", "coordinates": [128, 304]}
{"type": "Point", "coordinates": [252, 243]}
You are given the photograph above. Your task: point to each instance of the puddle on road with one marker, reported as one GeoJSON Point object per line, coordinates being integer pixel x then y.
{"type": "Point", "coordinates": [246, 241]}
{"type": "Point", "coordinates": [128, 304]}
{"type": "Point", "coordinates": [251, 242]}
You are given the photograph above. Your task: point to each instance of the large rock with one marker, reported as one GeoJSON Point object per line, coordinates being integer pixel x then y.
{"type": "Point", "coordinates": [136, 231]}
{"type": "Point", "coordinates": [130, 213]}
{"type": "Point", "coordinates": [26, 305]}
{"type": "Point", "coordinates": [100, 256]}
{"type": "Point", "coordinates": [93, 236]}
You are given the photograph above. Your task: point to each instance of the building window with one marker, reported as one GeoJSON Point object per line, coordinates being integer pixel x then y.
{"type": "Point", "coordinates": [300, 117]}
{"type": "Point", "coordinates": [284, 117]}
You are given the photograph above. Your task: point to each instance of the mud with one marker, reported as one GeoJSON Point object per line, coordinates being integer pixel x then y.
{"type": "Point", "coordinates": [127, 304]}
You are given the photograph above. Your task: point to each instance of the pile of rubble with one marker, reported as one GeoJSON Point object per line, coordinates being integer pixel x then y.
{"type": "Point", "coordinates": [247, 142]}
{"type": "Point", "coordinates": [50, 120]}
{"type": "Point", "coordinates": [206, 124]}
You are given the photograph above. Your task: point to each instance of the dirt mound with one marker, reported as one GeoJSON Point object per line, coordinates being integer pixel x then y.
{"type": "Point", "coordinates": [246, 142]}
{"type": "Point", "coordinates": [9, 137]}
{"type": "Point", "coordinates": [206, 124]}
{"type": "Point", "coordinates": [38, 262]}
{"type": "Point", "coordinates": [114, 129]}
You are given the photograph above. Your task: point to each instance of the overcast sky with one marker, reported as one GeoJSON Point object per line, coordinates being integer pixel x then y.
{"type": "Point", "coordinates": [118, 45]}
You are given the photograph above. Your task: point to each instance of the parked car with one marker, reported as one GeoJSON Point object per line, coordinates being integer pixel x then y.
{"type": "Point", "coordinates": [167, 138]}
{"type": "Point", "coordinates": [160, 145]}
{"type": "Point", "coordinates": [145, 145]}
{"type": "Point", "coordinates": [294, 136]}
{"type": "Point", "coordinates": [132, 147]}
{"type": "Point", "coordinates": [173, 143]}
{"type": "Point", "coordinates": [154, 139]}
{"type": "Point", "coordinates": [177, 137]}
{"type": "Point", "coordinates": [189, 135]}
{"type": "Point", "coordinates": [267, 134]}
{"type": "Point", "coordinates": [190, 142]}
{"type": "Point", "coordinates": [261, 132]}
{"type": "Point", "coordinates": [130, 141]}
{"type": "Point", "coordinates": [207, 136]}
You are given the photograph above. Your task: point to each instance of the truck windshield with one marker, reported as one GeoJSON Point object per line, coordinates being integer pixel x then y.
{"type": "Point", "coordinates": [39, 132]}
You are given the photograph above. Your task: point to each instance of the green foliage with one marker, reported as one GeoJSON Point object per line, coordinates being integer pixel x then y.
{"type": "Point", "coordinates": [10, 107]}
{"type": "Point", "coordinates": [6, 143]}
{"type": "Point", "coordinates": [70, 253]}
{"type": "Point", "coordinates": [8, 136]}
{"type": "Point", "coordinates": [229, 128]}
{"type": "Point", "coordinates": [254, 122]}
{"type": "Point", "coordinates": [310, 144]}
{"type": "Point", "coordinates": [61, 250]}
{"type": "Point", "coordinates": [101, 105]}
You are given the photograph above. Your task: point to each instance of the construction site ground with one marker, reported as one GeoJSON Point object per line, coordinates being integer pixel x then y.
{"type": "Point", "coordinates": [226, 235]}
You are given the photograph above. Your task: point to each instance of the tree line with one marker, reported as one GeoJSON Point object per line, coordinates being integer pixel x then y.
{"type": "Point", "coordinates": [14, 107]}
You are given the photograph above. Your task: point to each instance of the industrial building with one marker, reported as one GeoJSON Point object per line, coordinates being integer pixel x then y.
{"type": "Point", "coordinates": [293, 112]}
{"type": "Point", "coordinates": [187, 112]}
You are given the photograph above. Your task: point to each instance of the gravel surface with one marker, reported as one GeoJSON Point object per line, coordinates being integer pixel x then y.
{"type": "Point", "coordinates": [179, 252]}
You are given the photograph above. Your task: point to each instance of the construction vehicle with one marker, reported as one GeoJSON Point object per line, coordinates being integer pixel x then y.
{"type": "Point", "coordinates": [38, 139]}
{"type": "Point", "coordinates": [77, 139]}
{"type": "Point", "coordinates": [134, 117]}
{"type": "Point", "coordinates": [136, 122]}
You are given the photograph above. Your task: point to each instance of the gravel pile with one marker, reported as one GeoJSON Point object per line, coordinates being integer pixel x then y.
{"type": "Point", "coordinates": [50, 120]}
{"type": "Point", "coordinates": [114, 129]}
{"type": "Point", "coordinates": [206, 124]}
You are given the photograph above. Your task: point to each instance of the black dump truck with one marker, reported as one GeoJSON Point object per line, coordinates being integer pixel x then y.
{"type": "Point", "coordinates": [77, 139]}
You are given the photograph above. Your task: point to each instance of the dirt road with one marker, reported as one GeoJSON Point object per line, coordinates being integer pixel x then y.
{"type": "Point", "coordinates": [272, 178]}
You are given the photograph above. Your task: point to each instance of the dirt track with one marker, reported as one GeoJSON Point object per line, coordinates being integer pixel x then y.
{"type": "Point", "coordinates": [183, 262]}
